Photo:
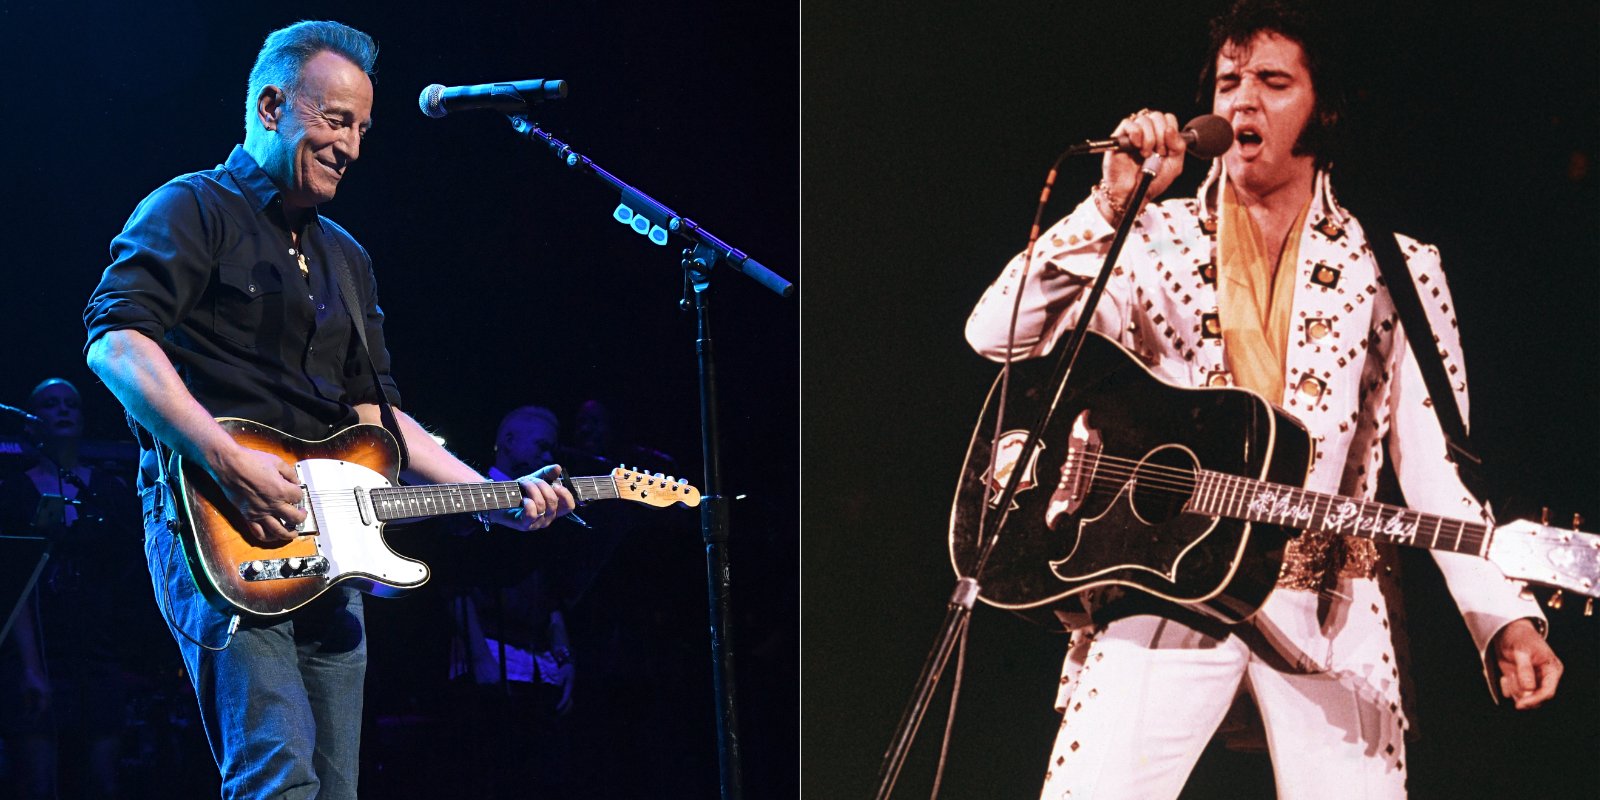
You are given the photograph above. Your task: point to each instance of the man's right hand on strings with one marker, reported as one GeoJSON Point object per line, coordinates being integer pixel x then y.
{"type": "Point", "coordinates": [265, 490]}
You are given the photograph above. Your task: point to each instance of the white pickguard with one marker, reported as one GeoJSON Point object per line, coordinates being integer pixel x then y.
{"type": "Point", "coordinates": [348, 532]}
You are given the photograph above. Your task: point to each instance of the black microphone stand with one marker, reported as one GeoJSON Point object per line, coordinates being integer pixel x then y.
{"type": "Point", "coordinates": [656, 221]}
{"type": "Point", "coordinates": [958, 611]}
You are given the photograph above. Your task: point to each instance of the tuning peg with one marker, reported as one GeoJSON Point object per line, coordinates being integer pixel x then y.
{"type": "Point", "coordinates": [1544, 515]}
{"type": "Point", "coordinates": [1577, 519]}
{"type": "Point", "coordinates": [1555, 600]}
{"type": "Point", "coordinates": [1588, 607]}
{"type": "Point", "coordinates": [1525, 593]}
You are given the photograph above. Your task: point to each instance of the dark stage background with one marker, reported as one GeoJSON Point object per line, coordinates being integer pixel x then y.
{"type": "Point", "coordinates": [506, 283]}
{"type": "Point", "coordinates": [928, 134]}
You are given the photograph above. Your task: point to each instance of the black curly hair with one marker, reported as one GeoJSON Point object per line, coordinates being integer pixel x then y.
{"type": "Point", "coordinates": [1302, 24]}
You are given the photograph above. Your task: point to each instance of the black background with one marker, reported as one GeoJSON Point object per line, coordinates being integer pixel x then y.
{"type": "Point", "coordinates": [505, 280]}
{"type": "Point", "coordinates": [928, 130]}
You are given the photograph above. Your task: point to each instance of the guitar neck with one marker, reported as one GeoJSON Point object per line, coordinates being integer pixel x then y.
{"type": "Point", "coordinates": [1218, 494]}
{"type": "Point", "coordinates": [432, 500]}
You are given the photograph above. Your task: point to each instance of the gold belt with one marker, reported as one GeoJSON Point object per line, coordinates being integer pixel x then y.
{"type": "Point", "coordinates": [1311, 557]}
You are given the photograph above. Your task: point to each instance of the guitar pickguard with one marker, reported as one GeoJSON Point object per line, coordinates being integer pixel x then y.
{"type": "Point", "coordinates": [351, 536]}
{"type": "Point", "coordinates": [1144, 527]}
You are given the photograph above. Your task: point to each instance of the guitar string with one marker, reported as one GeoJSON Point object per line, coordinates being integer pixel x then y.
{"type": "Point", "coordinates": [343, 499]}
{"type": "Point", "coordinates": [1185, 480]}
{"type": "Point", "coordinates": [1463, 536]}
{"type": "Point", "coordinates": [1182, 481]}
{"type": "Point", "coordinates": [589, 484]}
{"type": "Point", "coordinates": [448, 495]}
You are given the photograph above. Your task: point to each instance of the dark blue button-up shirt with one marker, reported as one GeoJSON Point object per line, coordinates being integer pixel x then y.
{"type": "Point", "coordinates": [205, 266]}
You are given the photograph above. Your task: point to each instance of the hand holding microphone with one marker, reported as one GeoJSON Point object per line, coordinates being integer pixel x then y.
{"type": "Point", "coordinates": [1152, 132]}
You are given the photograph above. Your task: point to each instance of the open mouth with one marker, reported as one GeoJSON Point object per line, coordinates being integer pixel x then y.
{"type": "Point", "coordinates": [1249, 141]}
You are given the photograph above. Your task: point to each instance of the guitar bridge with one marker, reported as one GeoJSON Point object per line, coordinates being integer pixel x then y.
{"type": "Point", "coordinates": [1078, 470]}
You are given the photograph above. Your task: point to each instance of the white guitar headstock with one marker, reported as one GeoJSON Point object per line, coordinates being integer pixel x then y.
{"type": "Point", "coordinates": [1544, 554]}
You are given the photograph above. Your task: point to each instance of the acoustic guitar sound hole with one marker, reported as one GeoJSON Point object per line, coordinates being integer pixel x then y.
{"type": "Point", "coordinates": [1163, 483]}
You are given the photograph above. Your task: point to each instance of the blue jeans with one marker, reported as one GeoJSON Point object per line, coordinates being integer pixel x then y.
{"type": "Point", "coordinates": [281, 699]}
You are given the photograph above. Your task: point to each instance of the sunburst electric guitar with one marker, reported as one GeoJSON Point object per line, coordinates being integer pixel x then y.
{"type": "Point", "coordinates": [1184, 494]}
{"type": "Point", "coordinates": [350, 485]}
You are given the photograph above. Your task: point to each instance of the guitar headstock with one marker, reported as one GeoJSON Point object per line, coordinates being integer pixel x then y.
{"type": "Point", "coordinates": [1544, 554]}
{"type": "Point", "coordinates": [653, 489]}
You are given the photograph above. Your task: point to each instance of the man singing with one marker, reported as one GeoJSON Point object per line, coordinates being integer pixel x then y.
{"type": "Point", "coordinates": [1294, 311]}
{"type": "Point", "coordinates": [222, 300]}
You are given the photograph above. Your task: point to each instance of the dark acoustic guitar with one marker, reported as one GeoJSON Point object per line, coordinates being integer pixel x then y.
{"type": "Point", "coordinates": [351, 489]}
{"type": "Point", "coordinates": [1184, 494]}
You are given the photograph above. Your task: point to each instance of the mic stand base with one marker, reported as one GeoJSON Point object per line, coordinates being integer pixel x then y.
{"type": "Point", "coordinates": [957, 614]}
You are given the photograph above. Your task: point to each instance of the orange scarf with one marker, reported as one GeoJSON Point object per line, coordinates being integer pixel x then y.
{"type": "Point", "coordinates": [1255, 298]}
{"type": "Point", "coordinates": [1254, 301]}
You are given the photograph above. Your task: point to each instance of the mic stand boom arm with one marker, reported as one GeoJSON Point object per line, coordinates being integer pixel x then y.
{"type": "Point", "coordinates": [662, 217]}
{"type": "Point", "coordinates": [654, 219]}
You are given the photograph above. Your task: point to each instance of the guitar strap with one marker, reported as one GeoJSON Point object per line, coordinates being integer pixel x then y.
{"type": "Point", "coordinates": [352, 306]}
{"type": "Point", "coordinates": [1419, 334]}
{"type": "Point", "coordinates": [1403, 291]}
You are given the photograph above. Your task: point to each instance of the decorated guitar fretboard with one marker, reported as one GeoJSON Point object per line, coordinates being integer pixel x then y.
{"type": "Point", "coordinates": [1217, 494]}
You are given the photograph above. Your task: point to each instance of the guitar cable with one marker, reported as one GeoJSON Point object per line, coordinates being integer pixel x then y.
{"type": "Point", "coordinates": [166, 500]}
{"type": "Point", "coordinates": [1034, 232]}
{"type": "Point", "coordinates": [950, 716]}
{"type": "Point", "coordinates": [985, 548]}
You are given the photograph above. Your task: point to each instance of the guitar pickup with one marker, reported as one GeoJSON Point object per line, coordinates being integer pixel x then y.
{"type": "Point", "coordinates": [273, 569]}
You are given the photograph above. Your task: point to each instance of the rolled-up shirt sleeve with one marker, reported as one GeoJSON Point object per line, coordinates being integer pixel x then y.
{"type": "Point", "coordinates": [160, 266]}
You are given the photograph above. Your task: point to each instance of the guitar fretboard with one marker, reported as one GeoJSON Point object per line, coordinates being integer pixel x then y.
{"type": "Point", "coordinates": [407, 502]}
{"type": "Point", "coordinates": [1218, 494]}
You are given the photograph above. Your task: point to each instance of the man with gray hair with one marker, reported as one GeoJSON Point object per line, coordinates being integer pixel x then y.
{"type": "Point", "coordinates": [223, 299]}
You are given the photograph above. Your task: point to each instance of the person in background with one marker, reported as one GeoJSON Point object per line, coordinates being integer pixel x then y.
{"type": "Point", "coordinates": [66, 665]}
{"type": "Point", "coordinates": [511, 661]}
